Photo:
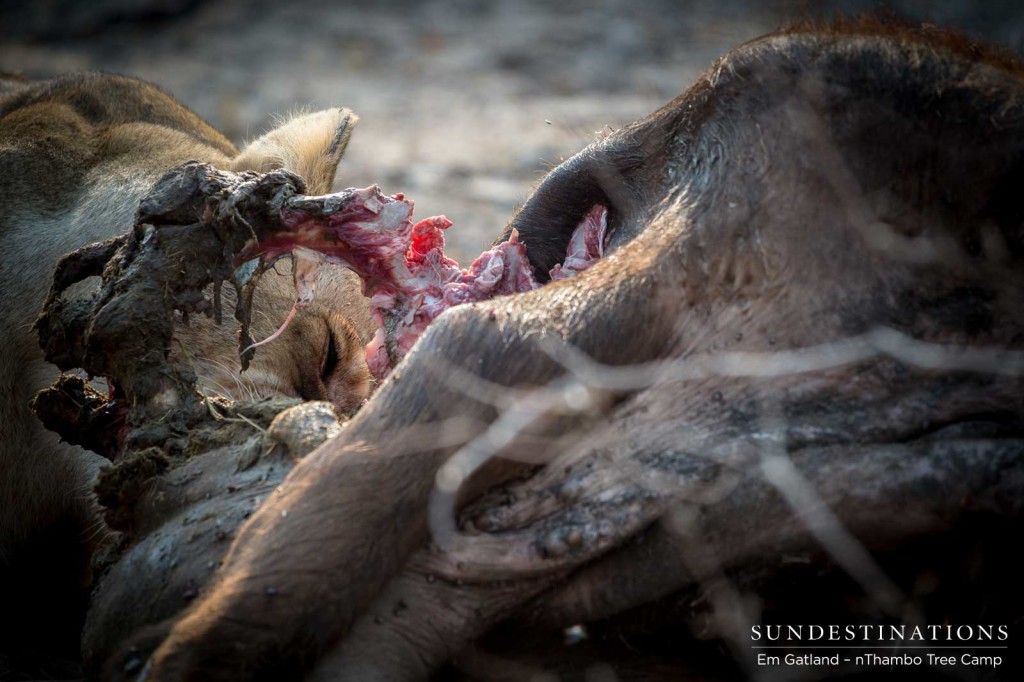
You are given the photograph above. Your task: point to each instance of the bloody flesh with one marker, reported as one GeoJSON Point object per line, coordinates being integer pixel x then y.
{"type": "Point", "coordinates": [405, 272]}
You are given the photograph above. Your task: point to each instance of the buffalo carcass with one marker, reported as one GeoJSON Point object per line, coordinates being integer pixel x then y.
{"type": "Point", "coordinates": [805, 339]}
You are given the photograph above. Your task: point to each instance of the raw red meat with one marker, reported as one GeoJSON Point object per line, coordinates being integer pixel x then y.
{"type": "Point", "coordinates": [406, 275]}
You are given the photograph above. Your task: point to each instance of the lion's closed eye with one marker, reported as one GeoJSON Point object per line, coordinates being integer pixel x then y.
{"type": "Point", "coordinates": [330, 356]}
{"type": "Point", "coordinates": [344, 373]}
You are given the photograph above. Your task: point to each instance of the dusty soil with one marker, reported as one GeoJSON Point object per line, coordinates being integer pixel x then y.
{"type": "Point", "coordinates": [465, 104]}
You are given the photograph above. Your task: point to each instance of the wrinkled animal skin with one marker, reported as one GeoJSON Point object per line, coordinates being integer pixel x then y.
{"type": "Point", "coordinates": [820, 241]}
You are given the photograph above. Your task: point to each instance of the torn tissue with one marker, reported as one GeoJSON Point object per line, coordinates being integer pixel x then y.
{"type": "Point", "coordinates": [405, 272]}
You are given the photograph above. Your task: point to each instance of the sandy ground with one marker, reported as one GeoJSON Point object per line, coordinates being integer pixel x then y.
{"type": "Point", "coordinates": [465, 105]}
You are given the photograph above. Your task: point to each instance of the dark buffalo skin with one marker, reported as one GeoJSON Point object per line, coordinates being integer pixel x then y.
{"type": "Point", "coordinates": [814, 185]}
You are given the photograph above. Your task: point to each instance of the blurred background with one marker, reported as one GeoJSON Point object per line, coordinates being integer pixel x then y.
{"type": "Point", "coordinates": [465, 104]}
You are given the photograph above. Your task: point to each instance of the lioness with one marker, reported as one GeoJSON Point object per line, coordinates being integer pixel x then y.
{"type": "Point", "coordinates": [77, 153]}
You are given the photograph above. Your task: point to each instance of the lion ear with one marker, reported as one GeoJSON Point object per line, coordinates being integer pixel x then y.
{"type": "Point", "coordinates": [310, 145]}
